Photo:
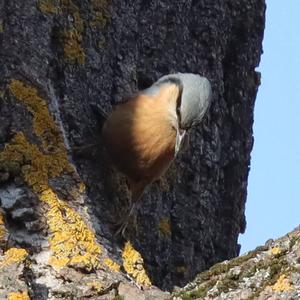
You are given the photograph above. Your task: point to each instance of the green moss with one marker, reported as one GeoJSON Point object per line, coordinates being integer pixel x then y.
{"type": "Point", "coordinates": [1, 26]}
{"type": "Point", "coordinates": [217, 274]}
{"type": "Point", "coordinates": [293, 241]}
{"type": "Point", "coordinates": [276, 266]}
{"type": "Point", "coordinates": [118, 298]}
{"type": "Point", "coordinates": [241, 259]}
{"type": "Point", "coordinates": [198, 293]}
{"type": "Point", "coordinates": [226, 284]}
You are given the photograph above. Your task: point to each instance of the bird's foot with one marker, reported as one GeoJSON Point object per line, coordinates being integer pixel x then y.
{"type": "Point", "coordinates": [121, 230]}
{"type": "Point", "coordinates": [122, 226]}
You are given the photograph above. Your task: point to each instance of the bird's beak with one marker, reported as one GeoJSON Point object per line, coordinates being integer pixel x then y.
{"type": "Point", "coordinates": [179, 138]}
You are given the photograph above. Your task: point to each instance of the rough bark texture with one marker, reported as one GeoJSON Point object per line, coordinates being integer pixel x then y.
{"type": "Point", "coordinates": [269, 272]}
{"type": "Point", "coordinates": [61, 58]}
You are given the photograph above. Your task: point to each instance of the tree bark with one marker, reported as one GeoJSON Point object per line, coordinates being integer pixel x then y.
{"type": "Point", "coordinates": [61, 195]}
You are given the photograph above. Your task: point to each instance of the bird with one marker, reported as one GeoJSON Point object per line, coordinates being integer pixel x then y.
{"type": "Point", "coordinates": [144, 134]}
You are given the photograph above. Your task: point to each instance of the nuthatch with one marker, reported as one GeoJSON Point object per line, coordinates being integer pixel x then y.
{"type": "Point", "coordinates": [144, 134]}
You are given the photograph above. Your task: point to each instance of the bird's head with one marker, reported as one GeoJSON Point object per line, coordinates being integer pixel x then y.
{"type": "Point", "coordinates": [193, 101]}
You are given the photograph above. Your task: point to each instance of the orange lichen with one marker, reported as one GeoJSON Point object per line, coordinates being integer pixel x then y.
{"type": "Point", "coordinates": [133, 265]}
{"type": "Point", "coordinates": [18, 296]}
{"type": "Point", "coordinates": [112, 265]}
{"type": "Point", "coordinates": [282, 284]}
{"type": "Point", "coordinates": [12, 256]}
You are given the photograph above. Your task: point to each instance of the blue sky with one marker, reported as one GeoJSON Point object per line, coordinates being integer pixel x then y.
{"type": "Point", "coordinates": [273, 204]}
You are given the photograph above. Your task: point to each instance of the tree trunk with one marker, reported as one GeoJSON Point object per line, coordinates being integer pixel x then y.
{"type": "Point", "coordinates": [61, 195]}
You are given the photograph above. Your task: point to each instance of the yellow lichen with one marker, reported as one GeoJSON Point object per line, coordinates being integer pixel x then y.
{"type": "Point", "coordinates": [77, 190]}
{"type": "Point", "coordinates": [35, 166]}
{"type": "Point", "coordinates": [2, 226]}
{"type": "Point", "coordinates": [81, 187]}
{"type": "Point", "coordinates": [112, 265]}
{"type": "Point", "coordinates": [99, 13]}
{"type": "Point", "coordinates": [72, 242]}
{"type": "Point", "coordinates": [73, 51]}
{"type": "Point", "coordinates": [282, 284]}
{"type": "Point", "coordinates": [78, 22]}
{"type": "Point", "coordinates": [165, 226]}
{"type": "Point", "coordinates": [18, 296]}
{"type": "Point", "coordinates": [276, 251]}
{"type": "Point", "coordinates": [95, 285]}
{"type": "Point", "coordinates": [43, 125]}
{"type": "Point", "coordinates": [68, 7]}
{"type": "Point", "coordinates": [133, 265]}
{"type": "Point", "coordinates": [12, 256]}
{"type": "Point", "coordinates": [48, 6]}
{"type": "Point", "coordinates": [72, 36]}
{"type": "Point", "coordinates": [1, 218]}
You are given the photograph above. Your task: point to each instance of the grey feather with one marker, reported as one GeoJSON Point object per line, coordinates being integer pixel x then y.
{"type": "Point", "coordinates": [196, 97]}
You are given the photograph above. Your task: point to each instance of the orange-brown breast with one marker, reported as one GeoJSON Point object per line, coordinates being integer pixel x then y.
{"type": "Point", "coordinates": [140, 134]}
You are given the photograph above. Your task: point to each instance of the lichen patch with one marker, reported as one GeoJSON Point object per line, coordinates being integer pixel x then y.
{"type": "Point", "coordinates": [165, 226]}
{"type": "Point", "coordinates": [112, 265]}
{"type": "Point", "coordinates": [282, 284]}
{"type": "Point", "coordinates": [18, 296]}
{"type": "Point", "coordinates": [12, 256]}
{"type": "Point", "coordinates": [48, 6]}
{"type": "Point", "coordinates": [71, 242]}
{"type": "Point", "coordinates": [133, 265]}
